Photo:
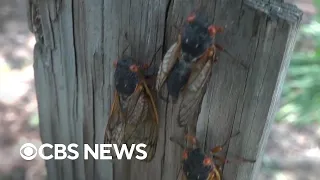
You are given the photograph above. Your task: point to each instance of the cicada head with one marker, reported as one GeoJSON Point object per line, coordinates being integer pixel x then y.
{"type": "Point", "coordinates": [207, 161]}
{"type": "Point", "coordinates": [185, 154]}
{"type": "Point", "coordinates": [197, 36]}
{"type": "Point", "coordinates": [125, 76]}
{"type": "Point", "coordinates": [194, 167]}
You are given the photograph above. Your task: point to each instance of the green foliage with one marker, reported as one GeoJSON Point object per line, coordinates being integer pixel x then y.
{"type": "Point", "coordinates": [301, 92]}
{"type": "Point", "coordinates": [317, 5]}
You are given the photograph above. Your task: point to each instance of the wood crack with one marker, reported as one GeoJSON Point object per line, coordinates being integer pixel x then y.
{"type": "Point", "coordinates": [170, 2]}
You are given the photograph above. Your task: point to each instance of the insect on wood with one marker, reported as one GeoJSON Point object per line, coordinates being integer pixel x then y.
{"type": "Point", "coordinates": [199, 165]}
{"type": "Point", "coordinates": [196, 165]}
{"type": "Point", "coordinates": [134, 118]}
{"type": "Point", "coordinates": [186, 67]}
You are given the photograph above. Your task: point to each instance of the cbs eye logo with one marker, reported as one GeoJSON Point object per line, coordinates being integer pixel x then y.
{"type": "Point", "coordinates": [28, 151]}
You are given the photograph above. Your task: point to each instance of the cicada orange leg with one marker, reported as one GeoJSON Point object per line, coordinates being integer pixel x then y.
{"type": "Point", "coordinates": [224, 160]}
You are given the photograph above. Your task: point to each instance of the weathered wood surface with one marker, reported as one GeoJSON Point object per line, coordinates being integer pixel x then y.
{"type": "Point", "coordinates": [77, 41]}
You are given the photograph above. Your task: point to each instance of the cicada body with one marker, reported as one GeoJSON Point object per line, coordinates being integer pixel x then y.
{"type": "Point", "coordinates": [196, 165]}
{"type": "Point", "coordinates": [186, 67]}
{"type": "Point", "coordinates": [134, 117]}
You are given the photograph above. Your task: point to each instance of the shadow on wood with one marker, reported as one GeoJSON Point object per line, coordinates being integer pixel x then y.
{"type": "Point", "coordinates": [77, 41]}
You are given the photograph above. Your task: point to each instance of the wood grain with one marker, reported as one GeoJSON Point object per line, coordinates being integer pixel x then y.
{"type": "Point", "coordinates": [78, 40]}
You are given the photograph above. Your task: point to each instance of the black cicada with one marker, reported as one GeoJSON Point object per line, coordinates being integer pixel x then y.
{"type": "Point", "coordinates": [186, 67]}
{"type": "Point", "coordinates": [134, 117]}
{"type": "Point", "coordinates": [198, 165]}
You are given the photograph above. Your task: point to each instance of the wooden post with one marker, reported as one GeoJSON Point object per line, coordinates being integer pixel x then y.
{"type": "Point", "coordinates": [78, 39]}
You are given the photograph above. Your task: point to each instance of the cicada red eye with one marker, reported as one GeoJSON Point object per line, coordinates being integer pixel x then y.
{"type": "Point", "coordinates": [191, 18]}
{"type": "Point", "coordinates": [207, 161]}
{"type": "Point", "coordinates": [212, 30]}
{"type": "Point", "coordinates": [115, 63]}
{"type": "Point", "coordinates": [134, 68]}
{"type": "Point", "coordinates": [185, 155]}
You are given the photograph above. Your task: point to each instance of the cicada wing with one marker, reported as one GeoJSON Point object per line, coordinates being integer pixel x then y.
{"type": "Point", "coordinates": [135, 105]}
{"type": "Point", "coordinates": [182, 176]}
{"type": "Point", "coordinates": [214, 174]}
{"type": "Point", "coordinates": [169, 60]}
{"type": "Point", "coordinates": [197, 66]}
{"type": "Point", "coordinates": [190, 100]}
{"type": "Point", "coordinates": [151, 96]}
{"type": "Point", "coordinates": [218, 174]}
{"type": "Point", "coordinates": [145, 129]}
{"type": "Point", "coordinates": [117, 129]}
{"type": "Point", "coordinates": [136, 100]}
{"type": "Point", "coordinates": [152, 123]}
{"type": "Point", "coordinates": [114, 133]}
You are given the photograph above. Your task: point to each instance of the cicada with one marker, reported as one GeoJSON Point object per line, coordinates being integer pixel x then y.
{"type": "Point", "coordinates": [199, 165]}
{"type": "Point", "coordinates": [196, 164]}
{"type": "Point", "coordinates": [187, 65]}
{"type": "Point", "coordinates": [134, 117]}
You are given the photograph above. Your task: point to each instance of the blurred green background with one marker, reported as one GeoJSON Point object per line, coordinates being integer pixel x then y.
{"type": "Point", "coordinates": [292, 151]}
{"type": "Point", "coordinates": [301, 92]}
